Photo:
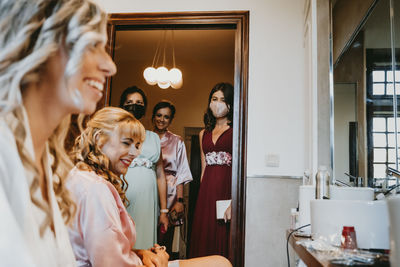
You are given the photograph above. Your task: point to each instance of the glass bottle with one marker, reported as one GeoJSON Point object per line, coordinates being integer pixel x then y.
{"type": "Point", "coordinates": [322, 180]}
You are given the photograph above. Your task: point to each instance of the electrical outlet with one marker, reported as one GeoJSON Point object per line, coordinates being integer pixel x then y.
{"type": "Point", "coordinates": [272, 160]}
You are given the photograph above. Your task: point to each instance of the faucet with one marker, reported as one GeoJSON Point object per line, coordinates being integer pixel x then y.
{"type": "Point", "coordinates": [358, 181]}
{"type": "Point", "coordinates": [393, 172]}
{"type": "Point", "coordinates": [340, 183]}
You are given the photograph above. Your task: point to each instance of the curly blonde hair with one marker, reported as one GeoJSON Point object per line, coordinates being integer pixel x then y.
{"type": "Point", "coordinates": [87, 154]}
{"type": "Point", "coordinates": [32, 31]}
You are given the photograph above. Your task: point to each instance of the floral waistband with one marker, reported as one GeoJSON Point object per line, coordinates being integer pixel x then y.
{"type": "Point", "coordinates": [218, 158]}
{"type": "Point", "coordinates": [141, 162]}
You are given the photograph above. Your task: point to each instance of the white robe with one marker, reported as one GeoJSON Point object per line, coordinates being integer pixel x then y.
{"type": "Point", "coordinates": [20, 221]}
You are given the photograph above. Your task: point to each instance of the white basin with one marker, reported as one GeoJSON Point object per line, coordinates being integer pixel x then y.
{"type": "Point", "coordinates": [306, 194]}
{"type": "Point", "coordinates": [369, 218]}
{"type": "Point", "coordinates": [351, 193]}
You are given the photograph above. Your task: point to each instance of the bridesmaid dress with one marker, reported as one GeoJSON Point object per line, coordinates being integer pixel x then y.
{"type": "Point", "coordinates": [209, 235]}
{"type": "Point", "coordinates": [142, 192]}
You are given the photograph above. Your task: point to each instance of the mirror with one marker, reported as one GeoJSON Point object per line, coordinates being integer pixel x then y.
{"type": "Point", "coordinates": [205, 57]}
{"type": "Point", "coordinates": [345, 106]}
{"type": "Point", "coordinates": [140, 34]}
{"type": "Point", "coordinates": [364, 97]}
{"type": "Point", "coordinates": [395, 26]}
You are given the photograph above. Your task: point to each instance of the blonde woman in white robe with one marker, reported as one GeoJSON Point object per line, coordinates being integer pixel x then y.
{"type": "Point", "coordinates": [53, 64]}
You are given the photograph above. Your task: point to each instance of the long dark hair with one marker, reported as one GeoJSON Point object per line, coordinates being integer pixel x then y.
{"type": "Point", "coordinates": [164, 104]}
{"type": "Point", "coordinates": [227, 90]}
{"type": "Point", "coordinates": [131, 90]}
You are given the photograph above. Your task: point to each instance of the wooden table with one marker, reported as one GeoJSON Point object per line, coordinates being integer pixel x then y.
{"type": "Point", "coordinates": [308, 257]}
{"type": "Point", "coordinates": [318, 259]}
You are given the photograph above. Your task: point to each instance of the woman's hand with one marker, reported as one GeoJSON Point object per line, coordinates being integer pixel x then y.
{"type": "Point", "coordinates": [161, 253]}
{"type": "Point", "coordinates": [152, 258]}
{"type": "Point", "coordinates": [162, 191]}
{"type": "Point", "coordinates": [228, 213]}
{"type": "Point", "coordinates": [164, 220]}
{"type": "Point", "coordinates": [178, 207]}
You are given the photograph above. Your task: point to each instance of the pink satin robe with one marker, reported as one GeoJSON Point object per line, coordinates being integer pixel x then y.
{"type": "Point", "coordinates": [103, 233]}
{"type": "Point", "coordinates": [176, 166]}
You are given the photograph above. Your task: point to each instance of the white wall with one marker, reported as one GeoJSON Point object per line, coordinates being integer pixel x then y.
{"type": "Point", "coordinates": [278, 113]}
{"type": "Point", "coordinates": [276, 75]}
{"type": "Point", "coordinates": [268, 219]}
{"type": "Point", "coordinates": [345, 110]}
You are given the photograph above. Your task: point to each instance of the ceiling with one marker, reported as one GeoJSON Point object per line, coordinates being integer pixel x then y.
{"type": "Point", "coordinates": [189, 45]}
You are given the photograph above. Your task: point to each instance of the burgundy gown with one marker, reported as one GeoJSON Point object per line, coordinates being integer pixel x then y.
{"type": "Point", "coordinates": [209, 235]}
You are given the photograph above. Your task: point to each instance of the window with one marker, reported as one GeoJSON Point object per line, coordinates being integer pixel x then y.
{"type": "Point", "coordinates": [382, 82]}
{"type": "Point", "coordinates": [381, 133]}
{"type": "Point", "coordinates": [383, 139]}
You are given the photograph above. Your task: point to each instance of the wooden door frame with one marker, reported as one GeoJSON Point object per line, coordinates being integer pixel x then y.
{"type": "Point", "coordinates": [238, 20]}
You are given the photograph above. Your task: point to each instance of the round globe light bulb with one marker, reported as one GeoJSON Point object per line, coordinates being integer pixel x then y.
{"type": "Point", "coordinates": [162, 75]}
{"type": "Point", "coordinates": [177, 85]}
{"type": "Point", "coordinates": [164, 85]}
{"type": "Point", "coordinates": [149, 75]}
{"type": "Point", "coordinates": [175, 75]}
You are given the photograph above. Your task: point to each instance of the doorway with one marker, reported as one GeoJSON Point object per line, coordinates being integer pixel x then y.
{"type": "Point", "coordinates": [237, 22]}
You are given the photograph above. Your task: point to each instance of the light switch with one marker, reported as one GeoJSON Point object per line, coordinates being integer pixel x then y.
{"type": "Point", "coordinates": [272, 160]}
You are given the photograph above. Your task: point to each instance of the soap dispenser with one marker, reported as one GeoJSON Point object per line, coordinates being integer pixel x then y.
{"type": "Point", "coordinates": [322, 181]}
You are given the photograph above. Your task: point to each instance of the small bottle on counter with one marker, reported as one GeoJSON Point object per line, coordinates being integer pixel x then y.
{"type": "Point", "coordinates": [294, 218]}
{"type": "Point", "coordinates": [349, 239]}
{"type": "Point", "coordinates": [307, 177]}
{"type": "Point", "coordinates": [322, 181]}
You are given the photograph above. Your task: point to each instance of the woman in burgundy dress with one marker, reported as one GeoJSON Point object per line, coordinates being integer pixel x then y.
{"type": "Point", "coordinates": [209, 235]}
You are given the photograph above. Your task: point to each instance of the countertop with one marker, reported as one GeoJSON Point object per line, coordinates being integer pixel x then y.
{"type": "Point", "coordinates": [317, 259]}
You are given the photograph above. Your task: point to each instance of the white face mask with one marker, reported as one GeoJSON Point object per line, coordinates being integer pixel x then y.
{"type": "Point", "coordinates": [219, 109]}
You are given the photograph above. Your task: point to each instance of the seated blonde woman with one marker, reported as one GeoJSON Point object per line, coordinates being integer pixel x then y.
{"type": "Point", "coordinates": [102, 233]}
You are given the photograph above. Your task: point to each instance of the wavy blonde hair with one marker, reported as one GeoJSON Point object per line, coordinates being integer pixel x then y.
{"type": "Point", "coordinates": [87, 154]}
{"type": "Point", "coordinates": [32, 31]}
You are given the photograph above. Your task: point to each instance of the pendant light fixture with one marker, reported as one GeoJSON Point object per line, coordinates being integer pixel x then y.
{"type": "Point", "coordinates": [161, 76]}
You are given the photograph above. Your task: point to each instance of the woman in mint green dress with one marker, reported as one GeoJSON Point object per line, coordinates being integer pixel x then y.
{"type": "Point", "coordinates": [147, 187]}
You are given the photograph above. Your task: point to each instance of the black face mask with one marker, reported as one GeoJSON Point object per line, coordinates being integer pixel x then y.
{"type": "Point", "coordinates": [135, 109]}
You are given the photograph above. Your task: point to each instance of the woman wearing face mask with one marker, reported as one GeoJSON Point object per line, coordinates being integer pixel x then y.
{"type": "Point", "coordinates": [209, 235]}
{"type": "Point", "coordinates": [147, 192]}
{"type": "Point", "coordinates": [176, 167]}
{"type": "Point", "coordinates": [53, 64]}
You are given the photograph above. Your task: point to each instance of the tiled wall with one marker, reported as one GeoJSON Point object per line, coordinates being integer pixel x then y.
{"type": "Point", "coordinates": [269, 201]}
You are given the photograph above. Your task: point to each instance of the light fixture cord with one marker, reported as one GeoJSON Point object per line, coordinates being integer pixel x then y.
{"type": "Point", "coordinates": [165, 45]}
{"type": "Point", "coordinates": [159, 54]}
{"type": "Point", "coordinates": [155, 55]}
{"type": "Point", "coordinates": [173, 49]}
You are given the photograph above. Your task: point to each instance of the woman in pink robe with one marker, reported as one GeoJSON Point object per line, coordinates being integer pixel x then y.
{"type": "Point", "coordinates": [103, 233]}
{"type": "Point", "coordinates": [176, 167]}
{"type": "Point", "coordinates": [100, 210]}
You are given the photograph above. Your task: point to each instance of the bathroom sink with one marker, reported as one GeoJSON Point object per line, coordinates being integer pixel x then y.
{"type": "Point", "coordinates": [351, 193]}
{"type": "Point", "coordinates": [369, 218]}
